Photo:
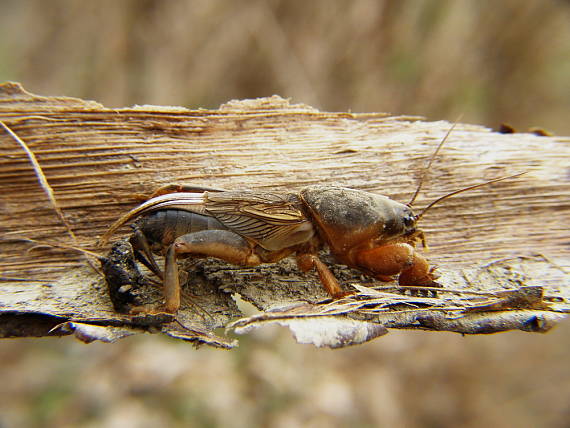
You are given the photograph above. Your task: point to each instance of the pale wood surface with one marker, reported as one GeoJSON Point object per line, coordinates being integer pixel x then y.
{"type": "Point", "coordinates": [100, 162]}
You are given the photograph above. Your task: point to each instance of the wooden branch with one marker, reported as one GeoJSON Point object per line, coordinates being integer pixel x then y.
{"type": "Point", "coordinates": [101, 162]}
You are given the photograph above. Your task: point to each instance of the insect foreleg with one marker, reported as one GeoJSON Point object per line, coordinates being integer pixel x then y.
{"type": "Point", "coordinates": [418, 273]}
{"type": "Point", "coordinates": [397, 259]}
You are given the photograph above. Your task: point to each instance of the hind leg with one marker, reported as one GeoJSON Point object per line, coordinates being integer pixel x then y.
{"type": "Point", "coordinates": [220, 244]}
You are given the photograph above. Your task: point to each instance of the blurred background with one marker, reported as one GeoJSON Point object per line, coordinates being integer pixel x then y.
{"type": "Point", "coordinates": [493, 62]}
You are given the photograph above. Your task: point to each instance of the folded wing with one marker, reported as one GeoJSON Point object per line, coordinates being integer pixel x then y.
{"type": "Point", "coordinates": [272, 220]}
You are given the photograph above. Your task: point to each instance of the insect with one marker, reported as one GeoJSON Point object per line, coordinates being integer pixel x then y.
{"type": "Point", "coordinates": [363, 230]}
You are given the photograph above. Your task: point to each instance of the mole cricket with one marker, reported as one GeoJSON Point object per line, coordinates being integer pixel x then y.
{"type": "Point", "coordinates": [365, 231]}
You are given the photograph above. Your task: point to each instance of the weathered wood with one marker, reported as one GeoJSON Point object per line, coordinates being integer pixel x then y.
{"type": "Point", "coordinates": [100, 162]}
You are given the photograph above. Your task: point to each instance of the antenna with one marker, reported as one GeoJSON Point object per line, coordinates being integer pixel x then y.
{"type": "Point", "coordinates": [426, 169]}
{"type": "Point", "coordinates": [475, 186]}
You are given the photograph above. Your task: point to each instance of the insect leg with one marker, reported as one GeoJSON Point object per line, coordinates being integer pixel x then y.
{"type": "Point", "coordinates": [418, 273]}
{"type": "Point", "coordinates": [221, 244]}
{"type": "Point", "coordinates": [171, 285]}
{"type": "Point", "coordinates": [308, 261]}
{"type": "Point", "coordinates": [393, 259]}
{"type": "Point", "coordinates": [143, 253]}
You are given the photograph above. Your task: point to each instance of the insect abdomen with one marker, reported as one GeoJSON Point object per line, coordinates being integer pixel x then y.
{"type": "Point", "coordinates": [165, 226]}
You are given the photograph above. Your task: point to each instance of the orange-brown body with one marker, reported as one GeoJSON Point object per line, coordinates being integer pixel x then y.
{"type": "Point", "coordinates": [365, 231]}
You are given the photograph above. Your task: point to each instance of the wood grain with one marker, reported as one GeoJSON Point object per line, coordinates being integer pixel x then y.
{"type": "Point", "coordinates": [100, 162]}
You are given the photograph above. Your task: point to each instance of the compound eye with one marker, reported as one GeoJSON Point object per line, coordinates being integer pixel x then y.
{"type": "Point", "coordinates": [409, 221]}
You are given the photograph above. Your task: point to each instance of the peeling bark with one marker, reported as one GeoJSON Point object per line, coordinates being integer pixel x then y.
{"type": "Point", "coordinates": [101, 162]}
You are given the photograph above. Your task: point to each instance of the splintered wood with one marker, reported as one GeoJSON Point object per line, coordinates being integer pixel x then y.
{"type": "Point", "coordinates": [502, 250]}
